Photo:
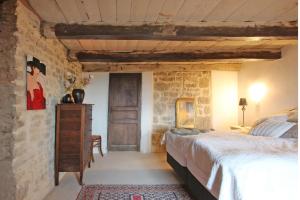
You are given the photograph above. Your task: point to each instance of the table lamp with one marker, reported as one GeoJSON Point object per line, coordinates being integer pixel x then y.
{"type": "Point", "coordinates": [243, 103]}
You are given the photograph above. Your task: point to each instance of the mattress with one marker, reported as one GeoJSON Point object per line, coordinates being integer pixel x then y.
{"type": "Point", "coordinates": [245, 167]}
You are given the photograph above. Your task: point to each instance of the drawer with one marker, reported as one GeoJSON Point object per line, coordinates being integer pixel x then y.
{"type": "Point", "coordinates": [69, 149]}
{"type": "Point", "coordinates": [70, 125]}
{"type": "Point", "coordinates": [69, 157]}
{"type": "Point", "coordinates": [70, 138]}
{"type": "Point", "coordinates": [72, 143]}
{"type": "Point", "coordinates": [70, 114]}
{"type": "Point", "coordinates": [69, 165]}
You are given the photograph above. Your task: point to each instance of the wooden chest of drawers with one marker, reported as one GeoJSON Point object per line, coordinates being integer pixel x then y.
{"type": "Point", "coordinates": [73, 138]}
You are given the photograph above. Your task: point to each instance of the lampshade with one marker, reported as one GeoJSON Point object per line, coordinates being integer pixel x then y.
{"type": "Point", "coordinates": [243, 102]}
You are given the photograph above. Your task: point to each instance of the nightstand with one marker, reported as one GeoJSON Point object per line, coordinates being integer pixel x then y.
{"type": "Point", "coordinates": [241, 129]}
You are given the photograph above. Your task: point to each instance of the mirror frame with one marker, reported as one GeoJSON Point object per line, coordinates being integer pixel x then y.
{"type": "Point", "coordinates": [179, 119]}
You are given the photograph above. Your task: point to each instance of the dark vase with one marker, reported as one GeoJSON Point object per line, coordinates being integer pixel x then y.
{"type": "Point", "coordinates": [67, 99]}
{"type": "Point", "coordinates": [78, 95]}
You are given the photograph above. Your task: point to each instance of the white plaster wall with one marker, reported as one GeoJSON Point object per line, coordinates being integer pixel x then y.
{"type": "Point", "coordinates": [281, 80]}
{"type": "Point", "coordinates": [97, 93]}
{"type": "Point", "coordinates": [224, 99]}
{"type": "Point", "coordinates": [147, 111]}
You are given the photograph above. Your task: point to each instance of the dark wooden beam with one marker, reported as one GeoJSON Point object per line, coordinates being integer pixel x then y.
{"type": "Point", "coordinates": [138, 67]}
{"type": "Point", "coordinates": [168, 32]}
{"type": "Point", "coordinates": [175, 57]}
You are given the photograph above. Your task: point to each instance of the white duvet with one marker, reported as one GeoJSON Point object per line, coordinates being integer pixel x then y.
{"type": "Point", "coordinates": [178, 146]}
{"type": "Point", "coordinates": [245, 167]}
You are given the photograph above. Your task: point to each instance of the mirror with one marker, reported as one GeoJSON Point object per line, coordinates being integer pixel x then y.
{"type": "Point", "coordinates": [185, 113]}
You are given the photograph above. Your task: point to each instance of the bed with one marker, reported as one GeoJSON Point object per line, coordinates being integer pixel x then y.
{"type": "Point", "coordinates": [177, 148]}
{"type": "Point", "coordinates": [245, 167]}
{"type": "Point", "coordinates": [235, 166]}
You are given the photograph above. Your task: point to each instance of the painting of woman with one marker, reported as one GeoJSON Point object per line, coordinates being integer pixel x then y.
{"type": "Point", "coordinates": [36, 72]}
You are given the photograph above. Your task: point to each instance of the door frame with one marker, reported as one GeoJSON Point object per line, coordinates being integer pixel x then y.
{"type": "Point", "coordinates": [139, 75]}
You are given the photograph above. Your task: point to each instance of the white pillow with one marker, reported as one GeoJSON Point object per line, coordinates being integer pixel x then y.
{"type": "Point", "coordinates": [282, 118]}
{"type": "Point", "coordinates": [271, 128]}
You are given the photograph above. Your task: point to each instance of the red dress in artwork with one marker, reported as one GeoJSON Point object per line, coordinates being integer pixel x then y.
{"type": "Point", "coordinates": [38, 101]}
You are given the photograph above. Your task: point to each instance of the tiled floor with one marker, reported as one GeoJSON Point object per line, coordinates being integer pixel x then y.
{"type": "Point", "coordinates": [118, 168]}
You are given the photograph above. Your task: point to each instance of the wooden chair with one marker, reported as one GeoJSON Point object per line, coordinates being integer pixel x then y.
{"type": "Point", "coordinates": [96, 141]}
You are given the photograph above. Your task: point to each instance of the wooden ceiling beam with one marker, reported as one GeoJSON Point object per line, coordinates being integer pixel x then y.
{"type": "Point", "coordinates": [176, 57]}
{"type": "Point", "coordinates": [169, 32]}
{"type": "Point", "coordinates": [117, 67]}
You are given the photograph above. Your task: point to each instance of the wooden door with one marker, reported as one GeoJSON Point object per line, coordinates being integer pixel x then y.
{"type": "Point", "coordinates": [124, 112]}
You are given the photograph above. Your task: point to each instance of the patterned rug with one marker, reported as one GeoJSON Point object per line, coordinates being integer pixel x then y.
{"type": "Point", "coordinates": [133, 192]}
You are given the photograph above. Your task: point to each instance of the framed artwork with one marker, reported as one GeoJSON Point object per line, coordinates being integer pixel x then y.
{"type": "Point", "coordinates": [35, 84]}
{"type": "Point", "coordinates": [185, 113]}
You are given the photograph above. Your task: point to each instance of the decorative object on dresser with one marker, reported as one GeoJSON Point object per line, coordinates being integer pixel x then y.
{"type": "Point", "coordinates": [75, 86]}
{"type": "Point", "coordinates": [243, 103]}
{"type": "Point", "coordinates": [73, 138]}
{"type": "Point", "coordinates": [67, 99]}
{"type": "Point", "coordinates": [78, 95]}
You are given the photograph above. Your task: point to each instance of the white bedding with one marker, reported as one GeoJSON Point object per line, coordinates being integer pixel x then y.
{"type": "Point", "coordinates": [245, 167]}
{"type": "Point", "coordinates": [178, 146]}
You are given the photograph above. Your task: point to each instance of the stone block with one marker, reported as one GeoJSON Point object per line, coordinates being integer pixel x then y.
{"type": "Point", "coordinates": [204, 83]}
{"type": "Point", "coordinates": [161, 86]}
{"type": "Point", "coordinates": [203, 100]}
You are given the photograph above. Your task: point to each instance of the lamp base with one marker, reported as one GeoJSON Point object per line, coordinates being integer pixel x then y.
{"type": "Point", "coordinates": [243, 109]}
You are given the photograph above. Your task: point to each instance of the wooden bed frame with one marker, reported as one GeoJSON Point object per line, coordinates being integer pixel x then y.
{"type": "Point", "coordinates": [194, 187]}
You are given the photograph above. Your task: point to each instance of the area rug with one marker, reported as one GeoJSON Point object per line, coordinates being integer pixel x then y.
{"type": "Point", "coordinates": [133, 192]}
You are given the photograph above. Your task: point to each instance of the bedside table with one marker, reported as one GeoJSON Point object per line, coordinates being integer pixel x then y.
{"type": "Point", "coordinates": [241, 129]}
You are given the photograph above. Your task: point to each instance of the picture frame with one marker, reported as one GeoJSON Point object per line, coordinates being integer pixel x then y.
{"type": "Point", "coordinates": [185, 112]}
{"type": "Point", "coordinates": [35, 83]}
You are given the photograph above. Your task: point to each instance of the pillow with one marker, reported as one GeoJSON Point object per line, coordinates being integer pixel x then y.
{"type": "Point", "coordinates": [281, 118]}
{"type": "Point", "coordinates": [291, 133]}
{"type": "Point", "coordinates": [271, 128]}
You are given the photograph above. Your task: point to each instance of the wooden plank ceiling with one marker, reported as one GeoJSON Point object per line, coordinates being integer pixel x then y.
{"type": "Point", "coordinates": [214, 16]}
{"type": "Point", "coordinates": [146, 46]}
{"type": "Point", "coordinates": [177, 12]}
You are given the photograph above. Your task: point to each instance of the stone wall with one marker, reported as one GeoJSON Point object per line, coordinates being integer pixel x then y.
{"type": "Point", "coordinates": [168, 86]}
{"type": "Point", "coordinates": [8, 111]}
{"type": "Point", "coordinates": [33, 132]}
